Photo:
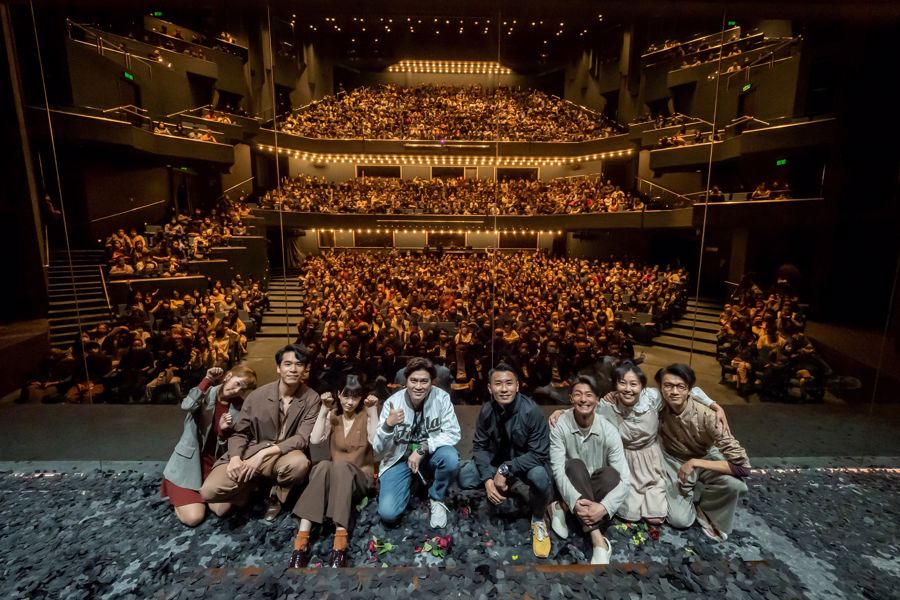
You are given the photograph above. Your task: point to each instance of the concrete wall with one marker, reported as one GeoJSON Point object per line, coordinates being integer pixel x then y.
{"type": "Point", "coordinates": [331, 172]}
{"type": "Point", "coordinates": [240, 172]}
{"type": "Point", "coordinates": [414, 79]}
{"type": "Point", "coordinates": [413, 171]}
{"type": "Point", "coordinates": [111, 188]}
{"type": "Point", "coordinates": [482, 240]}
{"type": "Point", "coordinates": [316, 78]}
{"type": "Point", "coordinates": [405, 239]}
{"type": "Point", "coordinates": [604, 244]}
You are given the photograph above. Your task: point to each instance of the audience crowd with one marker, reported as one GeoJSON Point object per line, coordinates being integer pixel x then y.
{"type": "Point", "coordinates": [762, 347]}
{"type": "Point", "coordinates": [367, 312]}
{"type": "Point", "coordinates": [183, 238]}
{"type": "Point", "coordinates": [179, 130]}
{"type": "Point", "coordinates": [155, 348]}
{"type": "Point", "coordinates": [437, 112]}
{"type": "Point", "coordinates": [383, 195]}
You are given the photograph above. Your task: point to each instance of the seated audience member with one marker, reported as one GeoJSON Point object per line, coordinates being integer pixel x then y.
{"type": "Point", "coordinates": [416, 436]}
{"type": "Point", "coordinates": [761, 192]}
{"type": "Point", "coordinates": [589, 468]}
{"type": "Point", "coordinates": [91, 369]}
{"type": "Point", "coordinates": [121, 268]}
{"type": "Point", "coordinates": [510, 453]}
{"type": "Point", "coordinates": [697, 450]}
{"type": "Point", "coordinates": [270, 439]}
{"type": "Point", "coordinates": [212, 408]}
{"type": "Point", "coordinates": [337, 485]}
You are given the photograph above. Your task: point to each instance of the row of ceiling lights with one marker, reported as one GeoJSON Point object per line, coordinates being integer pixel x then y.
{"type": "Point", "coordinates": [441, 230]}
{"type": "Point", "coordinates": [449, 66]}
{"type": "Point", "coordinates": [402, 159]}
{"type": "Point", "coordinates": [388, 23]}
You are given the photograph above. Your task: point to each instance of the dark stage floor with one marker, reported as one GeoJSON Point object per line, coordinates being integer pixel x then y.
{"type": "Point", "coordinates": [815, 533]}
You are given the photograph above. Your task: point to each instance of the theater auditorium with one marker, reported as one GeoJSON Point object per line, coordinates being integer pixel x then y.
{"type": "Point", "coordinates": [503, 299]}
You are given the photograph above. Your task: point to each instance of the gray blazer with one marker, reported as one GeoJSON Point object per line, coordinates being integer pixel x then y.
{"type": "Point", "coordinates": [184, 468]}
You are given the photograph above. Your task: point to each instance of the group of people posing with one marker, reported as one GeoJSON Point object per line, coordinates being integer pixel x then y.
{"type": "Point", "coordinates": [633, 452]}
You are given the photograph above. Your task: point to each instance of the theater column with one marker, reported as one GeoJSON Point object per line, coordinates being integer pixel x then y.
{"type": "Point", "coordinates": [21, 231]}
{"type": "Point", "coordinates": [737, 262]}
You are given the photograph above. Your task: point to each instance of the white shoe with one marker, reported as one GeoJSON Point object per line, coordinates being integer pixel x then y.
{"type": "Point", "coordinates": [558, 520]}
{"type": "Point", "coordinates": [439, 512]}
{"type": "Point", "coordinates": [708, 528]}
{"type": "Point", "coordinates": [601, 555]}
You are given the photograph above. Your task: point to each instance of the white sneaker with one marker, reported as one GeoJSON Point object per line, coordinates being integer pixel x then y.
{"type": "Point", "coordinates": [558, 520]}
{"type": "Point", "coordinates": [439, 512]}
{"type": "Point", "coordinates": [708, 528]}
{"type": "Point", "coordinates": [601, 555]}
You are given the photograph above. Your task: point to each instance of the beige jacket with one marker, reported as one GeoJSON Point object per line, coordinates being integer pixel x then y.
{"type": "Point", "coordinates": [693, 433]}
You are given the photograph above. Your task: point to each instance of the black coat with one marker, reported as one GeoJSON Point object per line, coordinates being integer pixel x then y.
{"type": "Point", "coordinates": [517, 435]}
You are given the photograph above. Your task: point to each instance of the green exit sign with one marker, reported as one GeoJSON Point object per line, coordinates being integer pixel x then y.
{"type": "Point", "coordinates": [183, 168]}
{"type": "Point", "coordinates": [156, 13]}
{"type": "Point", "coordinates": [128, 75]}
{"type": "Point", "coordinates": [747, 87]}
{"type": "Point", "coordinates": [732, 23]}
{"type": "Point", "coordinates": [780, 162]}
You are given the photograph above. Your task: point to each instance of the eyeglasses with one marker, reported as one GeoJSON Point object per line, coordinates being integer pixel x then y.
{"type": "Point", "coordinates": [674, 386]}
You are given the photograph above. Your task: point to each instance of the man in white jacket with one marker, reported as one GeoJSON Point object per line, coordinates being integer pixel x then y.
{"type": "Point", "coordinates": [417, 432]}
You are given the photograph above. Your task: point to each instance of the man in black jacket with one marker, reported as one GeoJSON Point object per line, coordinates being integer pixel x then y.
{"type": "Point", "coordinates": [510, 453]}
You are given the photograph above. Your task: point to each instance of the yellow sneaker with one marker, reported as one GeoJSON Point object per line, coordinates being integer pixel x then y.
{"type": "Point", "coordinates": [540, 539]}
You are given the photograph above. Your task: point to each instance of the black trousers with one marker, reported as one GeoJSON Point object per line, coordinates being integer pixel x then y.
{"type": "Point", "coordinates": [592, 486]}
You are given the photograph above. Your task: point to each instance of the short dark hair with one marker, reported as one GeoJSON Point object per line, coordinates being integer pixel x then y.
{"type": "Point", "coordinates": [629, 367]}
{"type": "Point", "coordinates": [503, 367]}
{"type": "Point", "coordinates": [588, 381]}
{"type": "Point", "coordinates": [300, 353]}
{"type": "Point", "coordinates": [680, 370]}
{"type": "Point", "coordinates": [419, 363]}
{"type": "Point", "coordinates": [350, 385]}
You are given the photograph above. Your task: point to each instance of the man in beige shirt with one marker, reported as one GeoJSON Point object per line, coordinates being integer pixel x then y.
{"type": "Point", "coordinates": [271, 438]}
{"type": "Point", "coordinates": [697, 449]}
{"type": "Point", "coordinates": [589, 467]}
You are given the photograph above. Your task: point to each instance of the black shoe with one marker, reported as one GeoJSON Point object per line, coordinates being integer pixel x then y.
{"type": "Point", "coordinates": [299, 559]}
{"type": "Point", "coordinates": [338, 559]}
{"type": "Point", "coordinates": [273, 509]}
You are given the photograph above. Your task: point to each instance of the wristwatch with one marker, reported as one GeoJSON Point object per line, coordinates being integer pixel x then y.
{"type": "Point", "coordinates": [503, 470]}
{"type": "Point", "coordinates": [422, 449]}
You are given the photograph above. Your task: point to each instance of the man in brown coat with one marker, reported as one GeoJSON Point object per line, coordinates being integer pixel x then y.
{"type": "Point", "coordinates": [271, 438]}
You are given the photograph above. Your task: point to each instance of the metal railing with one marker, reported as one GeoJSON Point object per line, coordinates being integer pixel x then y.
{"type": "Point", "coordinates": [105, 291]}
{"type": "Point", "coordinates": [104, 45]}
{"type": "Point", "coordinates": [677, 198]}
{"type": "Point", "coordinates": [125, 212]}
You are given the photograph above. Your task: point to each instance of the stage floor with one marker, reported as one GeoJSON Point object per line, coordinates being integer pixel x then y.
{"type": "Point", "coordinates": [815, 533]}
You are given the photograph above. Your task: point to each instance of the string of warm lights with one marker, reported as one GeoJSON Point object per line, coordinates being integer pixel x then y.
{"type": "Point", "coordinates": [449, 66]}
{"type": "Point", "coordinates": [419, 231]}
{"type": "Point", "coordinates": [471, 161]}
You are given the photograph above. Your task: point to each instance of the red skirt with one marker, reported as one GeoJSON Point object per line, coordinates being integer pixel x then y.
{"type": "Point", "coordinates": [179, 496]}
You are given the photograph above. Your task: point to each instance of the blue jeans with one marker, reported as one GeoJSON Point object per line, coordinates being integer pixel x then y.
{"type": "Point", "coordinates": [534, 490]}
{"type": "Point", "coordinates": [394, 484]}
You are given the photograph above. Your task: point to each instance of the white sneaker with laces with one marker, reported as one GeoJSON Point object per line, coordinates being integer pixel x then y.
{"type": "Point", "coordinates": [558, 520]}
{"type": "Point", "coordinates": [439, 512]}
{"type": "Point", "coordinates": [600, 555]}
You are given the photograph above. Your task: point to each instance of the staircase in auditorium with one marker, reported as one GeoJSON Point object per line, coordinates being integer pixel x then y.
{"type": "Point", "coordinates": [678, 336]}
{"type": "Point", "coordinates": [285, 305]}
{"type": "Point", "coordinates": [84, 281]}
